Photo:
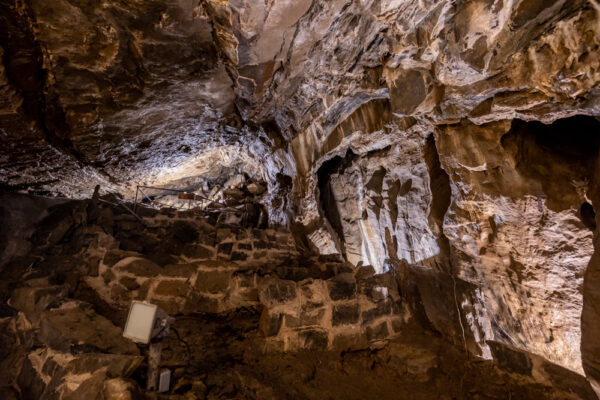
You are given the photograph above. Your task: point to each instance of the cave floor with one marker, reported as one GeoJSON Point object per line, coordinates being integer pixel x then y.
{"type": "Point", "coordinates": [222, 357]}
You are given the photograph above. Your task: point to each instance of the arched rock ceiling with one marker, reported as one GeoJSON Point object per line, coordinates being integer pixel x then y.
{"type": "Point", "coordinates": [121, 92]}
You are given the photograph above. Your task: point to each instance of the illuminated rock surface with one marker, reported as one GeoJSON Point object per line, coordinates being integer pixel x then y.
{"type": "Point", "coordinates": [255, 318]}
{"type": "Point", "coordinates": [452, 146]}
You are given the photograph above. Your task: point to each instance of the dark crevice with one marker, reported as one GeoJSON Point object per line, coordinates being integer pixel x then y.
{"type": "Point", "coordinates": [573, 140]}
{"type": "Point", "coordinates": [327, 199]}
{"type": "Point", "coordinates": [556, 155]}
{"type": "Point", "coordinates": [588, 216]}
{"type": "Point", "coordinates": [439, 183]}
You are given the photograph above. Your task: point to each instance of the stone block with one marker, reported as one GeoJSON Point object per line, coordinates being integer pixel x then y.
{"type": "Point", "coordinates": [313, 339]}
{"type": "Point", "coordinates": [170, 305]}
{"type": "Point", "coordinates": [366, 285]}
{"type": "Point", "coordinates": [121, 389]}
{"type": "Point", "coordinates": [216, 264]}
{"type": "Point", "coordinates": [198, 251]}
{"type": "Point", "coordinates": [184, 232]}
{"type": "Point", "coordinates": [224, 234]}
{"type": "Point", "coordinates": [270, 323]}
{"type": "Point", "coordinates": [352, 342]}
{"type": "Point", "coordinates": [345, 315]}
{"type": "Point", "coordinates": [342, 287]}
{"type": "Point", "coordinates": [93, 266]}
{"type": "Point", "coordinates": [274, 345]}
{"type": "Point", "coordinates": [259, 254]}
{"type": "Point", "coordinates": [84, 373]}
{"type": "Point", "coordinates": [364, 272]}
{"type": "Point", "coordinates": [213, 281]}
{"type": "Point", "coordinates": [262, 245]}
{"type": "Point", "coordinates": [255, 188]}
{"type": "Point", "coordinates": [260, 234]}
{"type": "Point", "coordinates": [397, 307]}
{"type": "Point", "coordinates": [377, 332]}
{"type": "Point", "coordinates": [163, 253]}
{"type": "Point", "coordinates": [238, 256]}
{"type": "Point", "coordinates": [244, 234]}
{"type": "Point", "coordinates": [380, 309]}
{"type": "Point", "coordinates": [114, 364]}
{"type": "Point", "coordinates": [108, 276]}
{"type": "Point", "coordinates": [225, 248]}
{"type": "Point", "coordinates": [172, 288]}
{"type": "Point", "coordinates": [143, 290]}
{"type": "Point", "coordinates": [247, 295]}
{"type": "Point", "coordinates": [244, 279]}
{"type": "Point", "coordinates": [276, 292]}
{"type": "Point", "coordinates": [138, 267]}
{"type": "Point", "coordinates": [379, 293]}
{"type": "Point", "coordinates": [305, 318]}
{"type": "Point", "coordinates": [179, 270]}
{"type": "Point", "coordinates": [314, 292]}
{"type": "Point", "coordinates": [244, 246]}
{"type": "Point", "coordinates": [197, 303]}
{"type": "Point", "coordinates": [129, 283]}
{"type": "Point", "coordinates": [292, 273]}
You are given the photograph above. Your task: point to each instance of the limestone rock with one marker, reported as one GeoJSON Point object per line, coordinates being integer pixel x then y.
{"type": "Point", "coordinates": [76, 327]}
{"type": "Point", "coordinates": [33, 300]}
{"type": "Point", "coordinates": [121, 389]}
{"type": "Point", "coordinates": [47, 373]}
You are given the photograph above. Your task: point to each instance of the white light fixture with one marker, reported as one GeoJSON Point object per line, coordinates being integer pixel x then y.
{"type": "Point", "coordinates": [146, 322]}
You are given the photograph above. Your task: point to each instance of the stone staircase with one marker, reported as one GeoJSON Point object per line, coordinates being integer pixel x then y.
{"type": "Point", "coordinates": [241, 297]}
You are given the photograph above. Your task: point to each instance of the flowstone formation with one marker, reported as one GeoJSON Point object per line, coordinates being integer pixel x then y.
{"type": "Point", "coordinates": [426, 146]}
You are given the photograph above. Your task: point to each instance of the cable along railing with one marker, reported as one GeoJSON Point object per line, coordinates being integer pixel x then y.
{"type": "Point", "coordinates": [181, 199]}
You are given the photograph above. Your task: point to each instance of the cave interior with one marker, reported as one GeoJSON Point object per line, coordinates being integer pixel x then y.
{"type": "Point", "coordinates": [343, 199]}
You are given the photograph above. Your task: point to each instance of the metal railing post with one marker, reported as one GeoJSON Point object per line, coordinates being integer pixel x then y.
{"type": "Point", "coordinates": [137, 188]}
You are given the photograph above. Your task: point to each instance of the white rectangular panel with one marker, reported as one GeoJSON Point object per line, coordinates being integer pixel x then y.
{"type": "Point", "coordinates": [140, 322]}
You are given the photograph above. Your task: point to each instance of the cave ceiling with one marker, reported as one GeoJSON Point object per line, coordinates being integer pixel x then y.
{"type": "Point", "coordinates": [118, 93]}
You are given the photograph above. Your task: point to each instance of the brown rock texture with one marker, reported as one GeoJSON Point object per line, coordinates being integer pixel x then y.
{"type": "Point", "coordinates": [451, 145]}
{"type": "Point", "coordinates": [298, 326]}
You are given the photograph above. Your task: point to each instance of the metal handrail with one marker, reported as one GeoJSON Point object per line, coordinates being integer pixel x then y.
{"type": "Point", "coordinates": [204, 198]}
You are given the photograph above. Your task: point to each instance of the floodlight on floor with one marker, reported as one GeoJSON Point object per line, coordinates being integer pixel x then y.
{"type": "Point", "coordinates": [148, 324]}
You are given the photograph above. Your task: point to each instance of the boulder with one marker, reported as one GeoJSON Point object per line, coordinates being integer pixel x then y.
{"type": "Point", "coordinates": [138, 266]}
{"type": "Point", "coordinates": [76, 327]}
{"type": "Point", "coordinates": [33, 300]}
{"type": "Point", "coordinates": [57, 375]}
{"type": "Point", "coordinates": [121, 389]}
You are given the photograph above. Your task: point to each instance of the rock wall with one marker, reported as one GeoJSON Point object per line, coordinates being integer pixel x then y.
{"type": "Point", "coordinates": [68, 296]}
